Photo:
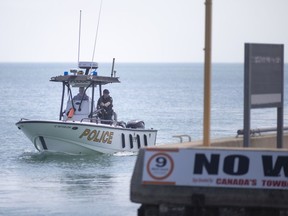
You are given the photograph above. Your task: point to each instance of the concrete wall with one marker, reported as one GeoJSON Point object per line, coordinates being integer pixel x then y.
{"type": "Point", "coordinates": [257, 141]}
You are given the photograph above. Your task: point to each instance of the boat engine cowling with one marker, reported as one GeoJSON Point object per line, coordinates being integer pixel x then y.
{"type": "Point", "coordinates": [135, 124]}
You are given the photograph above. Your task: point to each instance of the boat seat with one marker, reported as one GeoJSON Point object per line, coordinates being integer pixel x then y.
{"type": "Point", "coordinates": [81, 113]}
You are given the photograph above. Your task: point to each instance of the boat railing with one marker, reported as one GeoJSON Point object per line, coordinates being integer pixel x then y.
{"type": "Point", "coordinates": [258, 131]}
{"type": "Point", "coordinates": [23, 119]}
{"type": "Point", "coordinates": [99, 121]}
{"type": "Point", "coordinates": [182, 136]}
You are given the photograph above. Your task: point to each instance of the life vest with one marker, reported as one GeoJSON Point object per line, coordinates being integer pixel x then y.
{"type": "Point", "coordinates": [71, 112]}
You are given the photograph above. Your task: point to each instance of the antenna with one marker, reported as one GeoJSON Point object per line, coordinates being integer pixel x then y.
{"type": "Point", "coordinates": [79, 37]}
{"type": "Point", "coordinates": [97, 31]}
{"type": "Point", "coordinates": [112, 67]}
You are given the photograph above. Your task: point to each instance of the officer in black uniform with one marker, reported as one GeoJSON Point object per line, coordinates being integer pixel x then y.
{"type": "Point", "coordinates": [105, 103]}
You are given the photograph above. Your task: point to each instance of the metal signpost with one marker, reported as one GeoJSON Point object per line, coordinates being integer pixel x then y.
{"type": "Point", "coordinates": [264, 84]}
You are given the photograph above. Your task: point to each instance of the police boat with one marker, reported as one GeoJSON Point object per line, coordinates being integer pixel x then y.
{"type": "Point", "coordinates": [80, 128]}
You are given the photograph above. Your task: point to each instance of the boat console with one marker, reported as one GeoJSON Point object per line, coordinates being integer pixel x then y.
{"type": "Point", "coordinates": [82, 110]}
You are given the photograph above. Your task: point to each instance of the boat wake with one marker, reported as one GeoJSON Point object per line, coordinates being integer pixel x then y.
{"type": "Point", "coordinates": [126, 153]}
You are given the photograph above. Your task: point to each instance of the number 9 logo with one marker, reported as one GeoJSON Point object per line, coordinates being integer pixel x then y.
{"type": "Point", "coordinates": [160, 166]}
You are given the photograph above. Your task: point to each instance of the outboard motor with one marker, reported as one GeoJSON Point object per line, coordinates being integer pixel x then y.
{"type": "Point", "coordinates": [135, 124]}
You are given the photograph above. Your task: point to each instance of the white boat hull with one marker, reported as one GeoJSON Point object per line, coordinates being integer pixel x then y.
{"type": "Point", "coordinates": [85, 137]}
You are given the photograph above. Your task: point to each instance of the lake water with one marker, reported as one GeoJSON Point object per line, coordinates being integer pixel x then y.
{"type": "Point", "coordinates": [168, 97]}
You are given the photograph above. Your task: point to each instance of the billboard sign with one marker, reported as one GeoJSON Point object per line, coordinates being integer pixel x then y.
{"type": "Point", "coordinates": [264, 66]}
{"type": "Point", "coordinates": [257, 169]}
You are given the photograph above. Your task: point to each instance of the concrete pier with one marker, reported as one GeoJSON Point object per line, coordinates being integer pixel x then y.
{"type": "Point", "coordinates": [235, 190]}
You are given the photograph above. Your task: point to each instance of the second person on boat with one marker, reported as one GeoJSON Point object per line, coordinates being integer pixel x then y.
{"type": "Point", "coordinates": [105, 103]}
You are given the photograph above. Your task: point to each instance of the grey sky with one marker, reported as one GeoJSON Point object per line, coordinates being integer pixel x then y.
{"type": "Point", "coordinates": [137, 30]}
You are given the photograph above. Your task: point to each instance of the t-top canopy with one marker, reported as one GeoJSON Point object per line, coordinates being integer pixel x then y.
{"type": "Point", "coordinates": [85, 80]}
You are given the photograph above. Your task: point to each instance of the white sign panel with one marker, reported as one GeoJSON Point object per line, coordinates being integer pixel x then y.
{"type": "Point", "coordinates": [216, 168]}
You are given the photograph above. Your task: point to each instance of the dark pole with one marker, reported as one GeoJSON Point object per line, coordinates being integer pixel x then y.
{"type": "Point", "coordinates": [112, 67]}
{"type": "Point", "coordinates": [92, 101]}
{"type": "Point", "coordinates": [61, 107]}
{"type": "Point", "coordinates": [247, 99]}
{"type": "Point", "coordinates": [280, 127]}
